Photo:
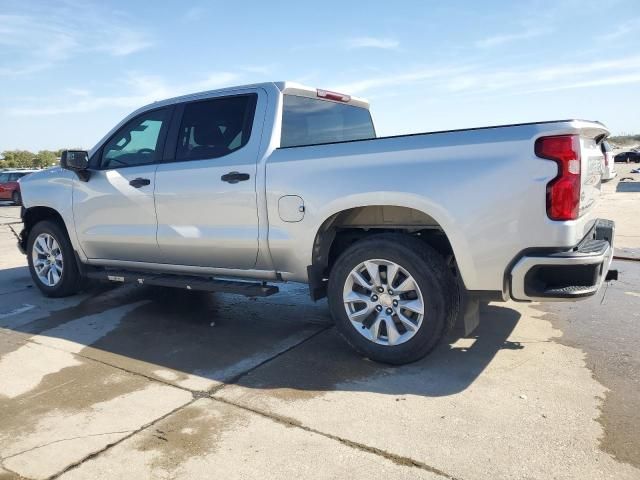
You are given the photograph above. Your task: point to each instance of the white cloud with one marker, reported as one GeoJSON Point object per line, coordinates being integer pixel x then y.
{"type": "Point", "coordinates": [124, 42]}
{"type": "Point", "coordinates": [373, 42]}
{"type": "Point", "coordinates": [193, 14]}
{"type": "Point", "coordinates": [497, 40]}
{"type": "Point", "coordinates": [397, 79]}
{"type": "Point", "coordinates": [479, 80]}
{"type": "Point", "coordinates": [628, 29]}
{"type": "Point", "coordinates": [144, 89]}
{"type": "Point", "coordinates": [259, 69]}
{"type": "Point", "coordinates": [38, 42]}
{"type": "Point", "coordinates": [623, 79]}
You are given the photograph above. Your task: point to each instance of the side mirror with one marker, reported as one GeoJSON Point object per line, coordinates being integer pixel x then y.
{"type": "Point", "coordinates": [76, 161]}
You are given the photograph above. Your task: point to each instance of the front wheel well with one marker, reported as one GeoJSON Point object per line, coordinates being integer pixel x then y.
{"type": "Point", "coordinates": [34, 215]}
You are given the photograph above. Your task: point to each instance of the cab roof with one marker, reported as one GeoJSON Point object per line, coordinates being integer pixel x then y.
{"type": "Point", "coordinates": [286, 87]}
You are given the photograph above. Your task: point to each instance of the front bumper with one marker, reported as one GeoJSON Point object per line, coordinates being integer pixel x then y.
{"type": "Point", "coordinates": [565, 275]}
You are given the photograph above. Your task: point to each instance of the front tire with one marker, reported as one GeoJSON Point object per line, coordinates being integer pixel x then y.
{"type": "Point", "coordinates": [393, 298]}
{"type": "Point", "coordinates": [52, 261]}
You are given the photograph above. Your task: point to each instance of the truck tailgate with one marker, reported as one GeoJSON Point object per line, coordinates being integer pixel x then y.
{"type": "Point", "coordinates": [591, 166]}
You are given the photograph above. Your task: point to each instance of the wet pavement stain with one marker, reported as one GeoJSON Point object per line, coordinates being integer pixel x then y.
{"type": "Point", "coordinates": [605, 327]}
{"type": "Point", "coordinates": [70, 390]}
{"type": "Point", "coordinates": [192, 432]}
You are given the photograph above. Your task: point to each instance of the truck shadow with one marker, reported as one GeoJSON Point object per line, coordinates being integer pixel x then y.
{"type": "Point", "coordinates": [287, 342]}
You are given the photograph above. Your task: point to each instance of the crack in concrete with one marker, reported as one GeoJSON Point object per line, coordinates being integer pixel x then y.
{"type": "Point", "coordinates": [397, 459]}
{"type": "Point", "coordinates": [117, 442]}
{"type": "Point", "coordinates": [197, 394]}
{"type": "Point", "coordinates": [60, 440]}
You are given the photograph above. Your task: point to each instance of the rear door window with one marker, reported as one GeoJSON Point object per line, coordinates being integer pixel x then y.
{"type": "Point", "coordinates": [216, 127]}
{"type": "Point", "coordinates": [310, 121]}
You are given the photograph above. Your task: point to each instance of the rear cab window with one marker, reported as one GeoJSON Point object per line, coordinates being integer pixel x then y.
{"type": "Point", "coordinates": [311, 121]}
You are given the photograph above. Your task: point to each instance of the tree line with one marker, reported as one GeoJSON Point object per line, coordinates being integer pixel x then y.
{"type": "Point", "coordinates": [27, 159]}
{"type": "Point", "coordinates": [623, 140]}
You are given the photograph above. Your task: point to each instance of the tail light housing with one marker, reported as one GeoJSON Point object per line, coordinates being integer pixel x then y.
{"type": "Point", "coordinates": [563, 192]}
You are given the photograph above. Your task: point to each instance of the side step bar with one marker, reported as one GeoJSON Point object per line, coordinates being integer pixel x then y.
{"type": "Point", "coordinates": [188, 282]}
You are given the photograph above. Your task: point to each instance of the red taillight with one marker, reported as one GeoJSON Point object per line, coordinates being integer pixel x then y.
{"type": "Point", "coordinates": [338, 97]}
{"type": "Point", "coordinates": [563, 192]}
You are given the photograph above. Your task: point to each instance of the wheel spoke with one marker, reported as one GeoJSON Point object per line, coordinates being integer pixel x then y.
{"type": "Point", "coordinates": [374, 272]}
{"type": "Point", "coordinates": [55, 276]}
{"type": "Point", "coordinates": [361, 315]}
{"type": "Point", "coordinates": [412, 305]}
{"type": "Point", "coordinates": [360, 280]}
{"type": "Point", "coordinates": [407, 285]}
{"type": "Point", "coordinates": [355, 297]}
{"type": "Point", "coordinates": [358, 298]}
{"type": "Point", "coordinates": [407, 322]}
{"type": "Point", "coordinates": [392, 332]}
{"type": "Point", "coordinates": [392, 271]}
{"type": "Point", "coordinates": [374, 329]}
{"type": "Point", "coordinates": [40, 246]}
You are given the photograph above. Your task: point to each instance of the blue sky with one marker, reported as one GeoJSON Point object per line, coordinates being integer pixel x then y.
{"type": "Point", "coordinates": [70, 70]}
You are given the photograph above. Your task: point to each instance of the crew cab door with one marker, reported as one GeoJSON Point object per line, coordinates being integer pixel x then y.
{"type": "Point", "coordinates": [114, 210]}
{"type": "Point", "coordinates": [206, 190]}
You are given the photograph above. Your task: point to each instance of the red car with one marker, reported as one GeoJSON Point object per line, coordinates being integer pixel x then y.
{"type": "Point", "coordinates": [9, 186]}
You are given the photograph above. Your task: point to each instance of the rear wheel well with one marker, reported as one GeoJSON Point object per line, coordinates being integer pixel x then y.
{"type": "Point", "coordinates": [343, 229]}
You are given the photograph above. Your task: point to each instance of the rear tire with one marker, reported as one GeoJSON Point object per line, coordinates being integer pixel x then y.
{"type": "Point", "coordinates": [423, 282]}
{"type": "Point", "coordinates": [52, 262]}
{"type": "Point", "coordinates": [16, 198]}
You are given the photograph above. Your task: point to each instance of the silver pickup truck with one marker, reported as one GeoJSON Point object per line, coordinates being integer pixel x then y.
{"type": "Point", "coordinates": [234, 189]}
